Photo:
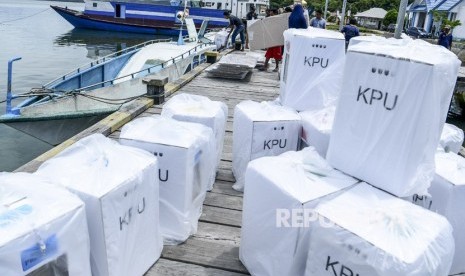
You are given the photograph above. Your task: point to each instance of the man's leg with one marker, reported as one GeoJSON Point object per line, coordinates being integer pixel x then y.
{"type": "Point", "coordinates": [242, 38]}
{"type": "Point", "coordinates": [233, 36]}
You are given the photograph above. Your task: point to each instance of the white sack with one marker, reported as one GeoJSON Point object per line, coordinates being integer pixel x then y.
{"type": "Point", "coordinates": [261, 129]}
{"type": "Point", "coordinates": [279, 191]}
{"type": "Point", "coordinates": [447, 197]}
{"type": "Point", "coordinates": [202, 110]}
{"type": "Point", "coordinates": [119, 187]}
{"type": "Point", "coordinates": [43, 228]}
{"type": "Point", "coordinates": [451, 138]}
{"type": "Point", "coordinates": [390, 115]}
{"type": "Point", "coordinates": [185, 167]}
{"type": "Point", "coordinates": [316, 128]}
{"type": "Point", "coordinates": [313, 68]}
{"type": "Point", "coordinates": [369, 232]}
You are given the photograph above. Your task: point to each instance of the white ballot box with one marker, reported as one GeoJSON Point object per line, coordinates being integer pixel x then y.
{"type": "Point", "coordinates": [185, 167]}
{"type": "Point", "coordinates": [313, 68]}
{"type": "Point", "coordinates": [280, 195]}
{"type": "Point", "coordinates": [261, 129]}
{"type": "Point", "coordinates": [316, 128]}
{"type": "Point", "coordinates": [374, 233]}
{"type": "Point", "coordinates": [447, 197]}
{"type": "Point", "coordinates": [391, 112]}
{"type": "Point", "coordinates": [451, 138]}
{"type": "Point", "coordinates": [202, 110]}
{"type": "Point", "coordinates": [43, 228]}
{"type": "Point", "coordinates": [119, 186]}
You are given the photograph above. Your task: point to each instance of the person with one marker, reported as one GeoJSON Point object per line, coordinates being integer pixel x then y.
{"type": "Point", "coordinates": [445, 38]}
{"type": "Point", "coordinates": [350, 30]}
{"type": "Point", "coordinates": [287, 9]}
{"type": "Point", "coordinates": [273, 52]}
{"type": "Point", "coordinates": [433, 31]}
{"type": "Point", "coordinates": [318, 21]}
{"type": "Point", "coordinates": [236, 24]}
{"type": "Point", "coordinates": [251, 15]}
{"type": "Point", "coordinates": [297, 19]}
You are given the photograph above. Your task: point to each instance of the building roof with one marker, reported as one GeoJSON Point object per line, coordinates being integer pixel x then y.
{"type": "Point", "coordinates": [447, 5]}
{"type": "Point", "coordinates": [428, 5]}
{"type": "Point", "coordinates": [373, 13]}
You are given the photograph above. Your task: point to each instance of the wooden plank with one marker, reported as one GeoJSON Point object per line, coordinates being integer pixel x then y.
{"type": "Point", "coordinates": [222, 216]}
{"type": "Point", "coordinates": [225, 188]}
{"type": "Point", "coordinates": [223, 201]}
{"type": "Point", "coordinates": [209, 254]}
{"type": "Point", "coordinates": [174, 268]}
{"type": "Point", "coordinates": [225, 175]}
{"type": "Point", "coordinates": [220, 234]}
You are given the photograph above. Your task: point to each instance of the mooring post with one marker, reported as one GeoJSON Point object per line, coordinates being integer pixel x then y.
{"type": "Point", "coordinates": [9, 95]}
{"type": "Point", "coordinates": [156, 88]}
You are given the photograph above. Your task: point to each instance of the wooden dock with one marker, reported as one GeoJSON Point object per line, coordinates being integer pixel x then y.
{"type": "Point", "coordinates": [214, 250]}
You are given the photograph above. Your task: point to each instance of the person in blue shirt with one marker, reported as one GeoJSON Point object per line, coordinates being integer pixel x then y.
{"type": "Point", "coordinates": [297, 19]}
{"type": "Point", "coordinates": [318, 21]}
{"type": "Point", "coordinates": [350, 30]}
{"type": "Point", "coordinates": [445, 38]}
{"type": "Point", "coordinates": [236, 23]}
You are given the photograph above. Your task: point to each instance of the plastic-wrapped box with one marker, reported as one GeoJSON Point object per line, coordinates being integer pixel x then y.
{"type": "Point", "coordinates": [43, 228]}
{"type": "Point", "coordinates": [451, 138]}
{"type": "Point", "coordinates": [261, 129]}
{"type": "Point", "coordinates": [275, 227]}
{"type": "Point", "coordinates": [221, 39]}
{"type": "Point", "coordinates": [119, 186]}
{"type": "Point", "coordinates": [313, 68]}
{"type": "Point", "coordinates": [185, 167]}
{"type": "Point", "coordinates": [447, 197]}
{"type": "Point", "coordinates": [202, 110]}
{"type": "Point", "coordinates": [369, 232]}
{"type": "Point", "coordinates": [316, 128]}
{"type": "Point", "coordinates": [391, 112]}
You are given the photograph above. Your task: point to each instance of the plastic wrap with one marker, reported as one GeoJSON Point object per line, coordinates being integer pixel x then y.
{"type": "Point", "coordinates": [293, 183]}
{"type": "Point", "coordinates": [313, 68]}
{"type": "Point", "coordinates": [202, 110]}
{"type": "Point", "coordinates": [369, 232]}
{"type": "Point", "coordinates": [221, 39]}
{"type": "Point", "coordinates": [261, 129]}
{"type": "Point", "coordinates": [185, 168]}
{"type": "Point", "coordinates": [447, 197]}
{"type": "Point", "coordinates": [451, 138]}
{"type": "Point", "coordinates": [316, 128]}
{"type": "Point", "coordinates": [43, 228]}
{"type": "Point", "coordinates": [267, 32]}
{"type": "Point", "coordinates": [390, 115]}
{"type": "Point", "coordinates": [120, 189]}
{"type": "Point", "coordinates": [365, 38]}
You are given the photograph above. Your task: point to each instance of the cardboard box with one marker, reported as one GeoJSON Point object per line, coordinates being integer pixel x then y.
{"type": "Point", "coordinates": [313, 68]}
{"type": "Point", "coordinates": [261, 129]}
{"type": "Point", "coordinates": [43, 228]}
{"type": "Point", "coordinates": [316, 128]}
{"type": "Point", "coordinates": [390, 115]}
{"type": "Point", "coordinates": [275, 227]}
{"type": "Point", "coordinates": [120, 189]}
{"type": "Point", "coordinates": [451, 138]}
{"type": "Point", "coordinates": [369, 232]}
{"type": "Point", "coordinates": [267, 32]}
{"type": "Point", "coordinates": [202, 110]}
{"type": "Point", "coordinates": [185, 167]}
{"type": "Point", "coordinates": [447, 197]}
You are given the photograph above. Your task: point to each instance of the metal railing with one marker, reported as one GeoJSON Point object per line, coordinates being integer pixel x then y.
{"type": "Point", "coordinates": [104, 59]}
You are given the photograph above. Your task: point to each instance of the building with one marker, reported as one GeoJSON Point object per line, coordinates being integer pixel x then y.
{"type": "Point", "coordinates": [420, 14]}
{"type": "Point", "coordinates": [372, 18]}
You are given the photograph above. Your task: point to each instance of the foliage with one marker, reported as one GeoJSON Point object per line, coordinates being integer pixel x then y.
{"type": "Point", "coordinates": [355, 5]}
{"type": "Point", "coordinates": [390, 17]}
{"type": "Point", "coordinates": [451, 23]}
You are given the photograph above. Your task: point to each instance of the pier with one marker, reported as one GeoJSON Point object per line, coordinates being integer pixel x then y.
{"type": "Point", "coordinates": [214, 249]}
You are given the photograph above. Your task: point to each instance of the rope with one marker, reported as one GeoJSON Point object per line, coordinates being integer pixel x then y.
{"type": "Point", "coordinates": [21, 18]}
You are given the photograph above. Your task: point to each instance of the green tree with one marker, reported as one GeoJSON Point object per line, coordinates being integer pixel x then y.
{"type": "Point", "coordinates": [390, 17]}
{"type": "Point", "coordinates": [451, 23]}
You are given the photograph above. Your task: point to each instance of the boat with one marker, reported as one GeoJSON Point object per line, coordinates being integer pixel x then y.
{"type": "Point", "coordinates": [70, 103]}
{"type": "Point", "coordinates": [158, 17]}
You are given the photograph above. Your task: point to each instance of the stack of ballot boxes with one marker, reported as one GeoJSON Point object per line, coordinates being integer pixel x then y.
{"type": "Point", "coordinates": [119, 186]}
{"type": "Point", "coordinates": [185, 166]}
{"type": "Point", "coordinates": [43, 228]}
{"type": "Point", "coordinates": [262, 129]}
{"type": "Point", "coordinates": [202, 110]}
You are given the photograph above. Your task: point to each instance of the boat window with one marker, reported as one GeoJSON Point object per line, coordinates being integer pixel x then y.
{"type": "Point", "coordinates": [118, 11]}
{"type": "Point", "coordinates": [218, 6]}
{"type": "Point", "coordinates": [208, 4]}
{"type": "Point", "coordinates": [94, 5]}
{"type": "Point", "coordinates": [195, 4]}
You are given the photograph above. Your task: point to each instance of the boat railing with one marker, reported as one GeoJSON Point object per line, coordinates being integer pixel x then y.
{"type": "Point", "coordinates": [150, 69]}
{"type": "Point", "coordinates": [104, 59]}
